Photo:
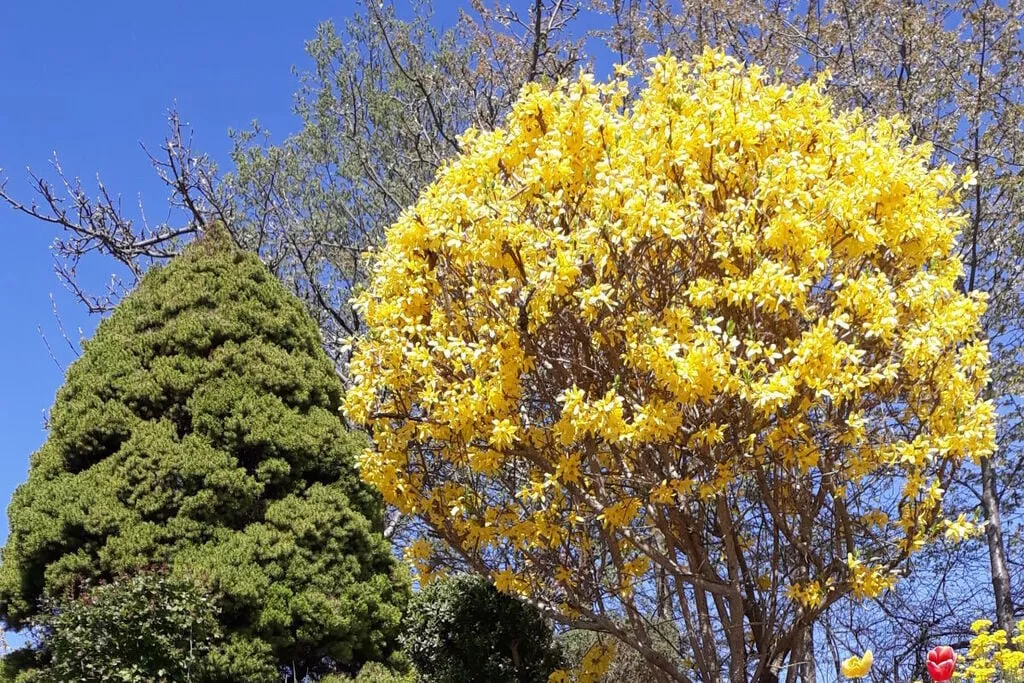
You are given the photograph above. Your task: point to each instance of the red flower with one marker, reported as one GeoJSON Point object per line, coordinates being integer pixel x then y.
{"type": "Point", "coordinates": [941, 661]}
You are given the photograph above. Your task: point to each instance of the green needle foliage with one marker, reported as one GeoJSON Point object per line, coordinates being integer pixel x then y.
{"type": "Point", "coordinates": [200, 430]}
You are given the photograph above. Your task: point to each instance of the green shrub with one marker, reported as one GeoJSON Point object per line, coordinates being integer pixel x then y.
{"type": "Point", "coordinates": [372, 672]}
{"type": "Point", "coordinates": [142, 629]}
{"type": "Point", "coordinates": [22, 666]}
{"type": "Point", "coordinates": [463, 630]}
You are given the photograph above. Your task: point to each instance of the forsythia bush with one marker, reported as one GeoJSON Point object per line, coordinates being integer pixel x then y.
{"type": "Point", "coordinates": [991, 658]}
{"type": "Point", "coordinates": [702, 352]}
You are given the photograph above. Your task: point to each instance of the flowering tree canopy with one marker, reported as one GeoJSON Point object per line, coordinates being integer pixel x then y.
{"type": "Point", "coordinates": [695, 359]}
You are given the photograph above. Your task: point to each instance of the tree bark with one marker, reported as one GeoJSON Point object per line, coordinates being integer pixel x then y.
{"type": "Point", "coordinates": [810, 669]}
{"type": "Point", "coordinates": [996, 548]}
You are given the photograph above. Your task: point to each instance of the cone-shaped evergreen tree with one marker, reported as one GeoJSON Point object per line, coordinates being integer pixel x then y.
{"type": "Point", "coordinates": [199, 430]}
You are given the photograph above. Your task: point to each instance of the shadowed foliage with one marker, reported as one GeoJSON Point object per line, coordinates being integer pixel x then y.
{"type": "Point", "coordinates": [461, 629]}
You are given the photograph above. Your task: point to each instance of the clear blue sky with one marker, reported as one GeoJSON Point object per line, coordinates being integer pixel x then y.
{"type": "Point", "coordinates": [92, 81]}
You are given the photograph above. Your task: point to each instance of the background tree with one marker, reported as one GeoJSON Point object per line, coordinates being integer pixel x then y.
{"type": "Point", "coordinates": [952, 70]}
{"type": "Point", "coordinates": [460, 629]}
{"type": "Point", "coordinates": [381, 109]}
{"type": "Point", "coordinates": [199, 429]}
{"type": "Point", "coordinates": [703, 359]}
{"type": "Point", "coordinates": [626, 665]}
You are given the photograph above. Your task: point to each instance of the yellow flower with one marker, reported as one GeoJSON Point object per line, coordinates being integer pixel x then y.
{"type": "Point", "coordinates": [503, 433]}
{"type": "Point", "coordinates": [960, 528]}
{"type": "Point", "coordinates": [858, 667]}
{"type": "Point", "coordinates": [979, 625]}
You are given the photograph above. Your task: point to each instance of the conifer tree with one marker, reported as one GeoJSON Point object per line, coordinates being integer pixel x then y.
{"type": "Point", "coordinates": [200, 430]}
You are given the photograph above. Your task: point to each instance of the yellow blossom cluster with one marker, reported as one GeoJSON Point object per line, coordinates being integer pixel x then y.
{"type": "Point", "coordinates": [992, 656]}
{"type": "Point", "coordinates": [709, 337]}
{"type": "Point", "coordinates": [591, 669]}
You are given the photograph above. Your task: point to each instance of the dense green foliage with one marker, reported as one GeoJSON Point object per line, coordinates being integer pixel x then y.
{"type": "Point", "coordinates": [374, 672]}
{"type": "Point", "coordinates": [461, 629]}
{"type": "Point", "coordinates": [199, 429]}
{"type": "Point", "coordinates": [145, 628]}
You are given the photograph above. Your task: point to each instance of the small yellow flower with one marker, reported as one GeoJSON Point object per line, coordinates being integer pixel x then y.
{"type": "Point", "coordinates": [979, 625]}
{"type": "Point", "coordinates": [858, 667]}
{"type": "Point", "coordinates": [623, 70]}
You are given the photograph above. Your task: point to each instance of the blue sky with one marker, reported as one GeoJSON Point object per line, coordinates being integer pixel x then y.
{"type": "Point", "coordinates": [91, 81]}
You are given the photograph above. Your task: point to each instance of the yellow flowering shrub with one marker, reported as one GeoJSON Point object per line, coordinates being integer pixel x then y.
{"type": "Point", "coordinates": [992, 657]}
{"type": "Point", "coordinates": [701, 351]}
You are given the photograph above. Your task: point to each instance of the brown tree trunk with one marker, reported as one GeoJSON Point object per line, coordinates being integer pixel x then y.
{"type": "Point", "coordinates": [801, 658]}
{"type": "Point", "coordinates": [796, 657]}
{"type": "Point", "coordinates": [810, 669]}
{"type": "Point", "coordinates": [989, 502]}
{"type": "Point", "coordinates": [770, 674]}
{"type": "Point", "coordinates": [996, 549]}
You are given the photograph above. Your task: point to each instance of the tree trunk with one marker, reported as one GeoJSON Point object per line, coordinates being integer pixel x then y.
{"type": "Point", "coordinates": [796, 657]}
{"type": "Point", "coordinates": [996, 549]}
{"type": "Point", "coordinates": [801, 658]}
{"type": "Point", "coordinates": [810, 669]}
{"type": "Point", "coordinates": [768, 669]}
